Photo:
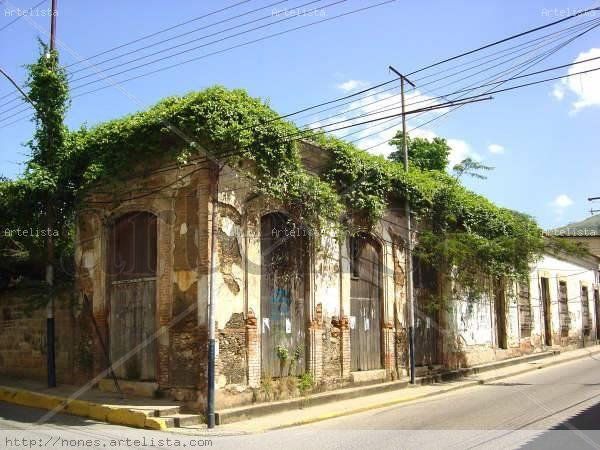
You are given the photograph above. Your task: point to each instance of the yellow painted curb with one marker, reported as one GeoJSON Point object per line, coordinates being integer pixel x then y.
{"type": "Point", "coordinates": [99, 412]}
{"type": "Point", "coordinates": [78, 408]}
{"type": "Point", "coordinates": [155, 423]}
{"type": "Point", "coordinates": [96, 411]}
{"type": "Point", "coordinates": [127, 417]}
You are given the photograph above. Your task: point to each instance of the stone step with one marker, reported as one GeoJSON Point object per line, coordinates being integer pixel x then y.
{"type": "Point", "coordinates": [183, 420]}
{"type": "Point", "coordinates": [157, 411]}
{"type": "Point", "coordinates": [167, 411]}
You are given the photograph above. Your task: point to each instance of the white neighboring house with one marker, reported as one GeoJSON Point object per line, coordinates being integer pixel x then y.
{"type": "Point", "coordinates": [558, 309]}
{"type": "Point", "coordinates": [565, 301]}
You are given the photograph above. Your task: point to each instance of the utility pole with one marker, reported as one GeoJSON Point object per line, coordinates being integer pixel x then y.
{"type": "Point", "coordinates": [50, 334]}
{"type": "Point", "coordinates": [409, 271]}
{"type": "Point", "coordinates": [592, 210]}
{"type": "Point", "coordinates": [212, 297]}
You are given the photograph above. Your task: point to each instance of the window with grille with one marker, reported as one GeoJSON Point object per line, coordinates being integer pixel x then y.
{"type": "Point", "coordinates": [585, 311]}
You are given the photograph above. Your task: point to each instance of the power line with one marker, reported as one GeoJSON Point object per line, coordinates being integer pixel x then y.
{"type": "Point", "coordinates": [514, 36]}
{"type": "Point", "coordinates": [529, 63]}
{"type": "Point", "coordinates": [331, 101]}
{"type": "Point", "coordinates": [190, 41]}
{"type": "Point", "coordinates": [156, 33]}
{"type": "Point", "coordinates": [20, 15]}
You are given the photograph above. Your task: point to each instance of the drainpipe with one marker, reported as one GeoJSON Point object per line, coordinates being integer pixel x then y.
{"type": "Point", "coordinates": [210, 396]}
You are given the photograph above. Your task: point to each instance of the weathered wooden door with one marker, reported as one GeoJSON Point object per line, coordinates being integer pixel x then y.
{"type": "Point", "coordinates": [365, 303]}
{"type": "Point", "coordinates": [132, 292]}
{"type": "Point", "coordinates": [563, 309]}
{"type": "Point", "coordinates": [426, 314]}
{"type": "Point", "coordinates": [284, 261]}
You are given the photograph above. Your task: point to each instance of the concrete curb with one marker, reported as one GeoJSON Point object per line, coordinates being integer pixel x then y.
{"type": "Point", "coordinates": [462, 385]}
{"type": "Point", "coordinates": [95, 411]}
{"type": "Point", "coordinates": [248, 412]}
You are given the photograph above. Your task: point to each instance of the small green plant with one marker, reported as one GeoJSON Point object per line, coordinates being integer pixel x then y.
{"type": "Point", "coordinates": [267, 387]}
{"type": "Point", "coordinates": [306, 383]}
{"type": "Point", "coordinates": [283, 355]}
{"type": "Point", "coordinates": [295, 359]}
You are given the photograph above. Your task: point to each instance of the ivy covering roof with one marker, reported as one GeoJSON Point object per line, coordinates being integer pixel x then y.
{"type": "Point", "coordinates": [459, 228]}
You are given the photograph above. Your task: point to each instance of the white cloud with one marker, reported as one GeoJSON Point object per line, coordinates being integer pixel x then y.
{"type": "Point", "coordinates": [350, 85]}
{"type": "Point", "coordinates": [460, 150]}
{"type": "Point", "coordinates": [585, 87]}
{"type": "Point", "coordinates": [558, 92]}
{"type": "Point", "coordinates": [562, 201]}
{"type": "Point", "coordinates": [496, 148]}
{"type": "Point", "coordinates": [559, 205]}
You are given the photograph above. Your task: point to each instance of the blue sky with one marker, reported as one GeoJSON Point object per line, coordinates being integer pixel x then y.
{"type": "Point", "coordinates": [542, 140]}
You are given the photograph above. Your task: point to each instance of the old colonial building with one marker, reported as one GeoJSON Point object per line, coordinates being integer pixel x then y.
{"type": "Point", "coordinates": [337, 309]}
{"type": "Point", "coordinates": [293, 307]}
{"type": "Point", "coordinates": [289, 301]}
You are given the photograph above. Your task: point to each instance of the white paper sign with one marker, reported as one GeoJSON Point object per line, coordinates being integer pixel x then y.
{"type": "Point", "coordinates": [288, 326]}
{"type": "Point", "coordinates": [367, 324]}
{"type": "Point", "coordinates": [266, 324]}
{"type": "Point", "coordinates": [352, 322]}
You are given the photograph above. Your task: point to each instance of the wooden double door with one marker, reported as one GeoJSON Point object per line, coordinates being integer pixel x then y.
{"type": "Point", "coordinates": [365, 303]}
{"type": "Point", "coordinates": [132, 296]}
{"type": "Point", "coordinates": [284, 258]}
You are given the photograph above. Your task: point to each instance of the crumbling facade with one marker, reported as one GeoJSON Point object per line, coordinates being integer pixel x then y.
{"type": "Point", "coordinates": [289, 301]}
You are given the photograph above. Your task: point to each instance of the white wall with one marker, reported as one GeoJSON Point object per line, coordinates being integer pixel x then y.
{"type": "Point", "coordinates": [575, 274]}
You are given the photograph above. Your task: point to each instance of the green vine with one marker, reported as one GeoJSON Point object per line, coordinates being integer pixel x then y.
{"type": "Point", "coordinates": [458, 228]}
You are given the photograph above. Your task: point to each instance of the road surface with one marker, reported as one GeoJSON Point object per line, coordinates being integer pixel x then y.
{"type": "Point", "coordinates": [556, 407]}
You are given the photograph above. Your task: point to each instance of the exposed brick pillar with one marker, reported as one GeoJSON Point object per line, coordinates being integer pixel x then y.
{"type": "Point", "coordinates": [389, 348]}
{"type": "Point", "coordinates": [342, 325]}
{"type": "Point", "coordinates": [315, 357]}
{"type": "Point", "coordinates": [401, 343]}
{"type": "Point", "coordinates": [253, 349]}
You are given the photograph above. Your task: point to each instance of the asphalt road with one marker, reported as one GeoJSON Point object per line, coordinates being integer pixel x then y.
{"type": "Point", "coordinates": [556, 407]}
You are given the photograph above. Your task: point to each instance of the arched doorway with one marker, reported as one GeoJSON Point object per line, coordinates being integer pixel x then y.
{"type": "Point", "coordinates": [284, 262]}
{"type": "Point", "coordinates": [132, 295]}
{"type": "Point", "coordinates": [365, 303]}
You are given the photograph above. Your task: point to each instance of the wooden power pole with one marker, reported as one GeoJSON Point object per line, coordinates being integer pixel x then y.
{"type": "Point", "coordinates": [50, 332]}
{"type": "Point", "coordinates": [409, 244]}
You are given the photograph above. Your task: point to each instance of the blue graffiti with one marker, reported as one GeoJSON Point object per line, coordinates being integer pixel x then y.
{"type": "Point", "coordinates": [280, 303]}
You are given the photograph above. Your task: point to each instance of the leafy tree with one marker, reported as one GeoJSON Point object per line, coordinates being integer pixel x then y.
{"type": "Point", "coordinates": [469, 166]}
{"type": "Point", "coordinates": [422, 153]}
{"type": "Point", "coordinates": [37, 201]}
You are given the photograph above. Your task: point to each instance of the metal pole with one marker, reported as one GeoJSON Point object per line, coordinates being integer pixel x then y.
{"type": "Point", "coordinates": [50, 334]}
{"type": "Point", "coordinates": [210, 397]}
{"type": "Point", "coordinates": [409, 271]}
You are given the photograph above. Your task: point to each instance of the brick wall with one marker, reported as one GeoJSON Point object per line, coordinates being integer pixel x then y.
{"type": "Point", "coordinates": [23, 336]}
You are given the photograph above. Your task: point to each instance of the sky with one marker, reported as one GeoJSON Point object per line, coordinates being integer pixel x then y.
{"type": "Point", "coordinates": [542, 140]}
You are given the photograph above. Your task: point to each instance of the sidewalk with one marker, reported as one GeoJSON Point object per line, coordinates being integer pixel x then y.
{"type": "Point", "coordinates": [360, 404]}
{"type": "Point", "coordinates": [165, 415]}
{"type": "Point", "coordinates": [97, 405]}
